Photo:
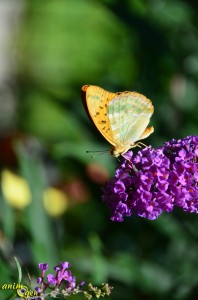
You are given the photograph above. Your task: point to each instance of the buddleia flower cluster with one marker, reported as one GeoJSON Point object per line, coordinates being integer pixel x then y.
{"type": "Point", "coordinates": [63, 283]}
{"type": "Point", "coordinates": [155, 181]}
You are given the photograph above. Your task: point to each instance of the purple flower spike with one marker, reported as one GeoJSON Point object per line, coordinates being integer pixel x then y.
{"type": "Point", "coordinates": [155, 181]}
{"type": "Point", "coordinates": [58, 285]}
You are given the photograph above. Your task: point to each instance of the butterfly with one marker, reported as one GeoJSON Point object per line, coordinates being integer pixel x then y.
{"type": "Point", "coordinates": [122, 118]}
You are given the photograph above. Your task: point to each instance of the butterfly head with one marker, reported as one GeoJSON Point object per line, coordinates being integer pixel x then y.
{"type": "Point", "coordinates": [114, 152]}
{"type": "Point", "coordinates": [120, 150]}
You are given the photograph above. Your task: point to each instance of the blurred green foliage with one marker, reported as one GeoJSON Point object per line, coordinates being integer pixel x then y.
{"type": "Point", "coordinates": [147, 46]}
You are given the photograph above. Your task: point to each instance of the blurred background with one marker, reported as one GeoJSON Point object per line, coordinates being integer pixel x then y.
{"type": "Point", "coordinates": [50, 202]}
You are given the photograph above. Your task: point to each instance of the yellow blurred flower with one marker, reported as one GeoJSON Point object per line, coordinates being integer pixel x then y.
{"type": "Point", "coordinates": [15, 190]}
{"type": "Point", "coordinates": [55, 202]}
{"type": "Point", "coordinates": [17, 193]}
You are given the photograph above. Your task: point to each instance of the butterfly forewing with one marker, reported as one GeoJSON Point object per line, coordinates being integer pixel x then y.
{"type": "Point", "coordinates": [129, 114]}
{"type": "Point", "coordinates": [96, 102]}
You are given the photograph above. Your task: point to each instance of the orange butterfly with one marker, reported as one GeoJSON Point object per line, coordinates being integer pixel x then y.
{"type": "Point", "coordinates": [122, 118]}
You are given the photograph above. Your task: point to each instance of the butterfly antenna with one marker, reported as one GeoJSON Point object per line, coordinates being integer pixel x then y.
{"type": "Point", "coordinates": [99, 152]}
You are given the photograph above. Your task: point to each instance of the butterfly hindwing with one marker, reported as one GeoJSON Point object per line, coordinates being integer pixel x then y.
{"type": "Point", "coordinates": [129, 114]}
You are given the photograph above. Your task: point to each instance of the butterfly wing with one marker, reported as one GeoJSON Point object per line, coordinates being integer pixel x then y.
{"type": "Point", "coordinates": [95, 100]}
{"type": "Point", "coordinates": [129, 114]}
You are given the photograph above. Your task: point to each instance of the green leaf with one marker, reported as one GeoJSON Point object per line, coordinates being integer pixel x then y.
{"type": "Point", "coordinates": [19, 269]}
{"type": "Point", "coordinates": [37, 221]}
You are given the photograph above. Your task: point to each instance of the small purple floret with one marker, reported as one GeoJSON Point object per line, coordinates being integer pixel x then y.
{"type": "Point", "coordinates": [155, 181]}
{"type": "Point", "coordinates": [51, 279]}
{"type": "Point", "coordinates": [43, 267]}
{"type": "Point", "coordinates": [62, 266]}
{"type": "Point", "coordinates": [38, 289]}
{"type": "Point", "coordinates": [40, 280]}
{"type": "Point", "coordinates": [65, 265]}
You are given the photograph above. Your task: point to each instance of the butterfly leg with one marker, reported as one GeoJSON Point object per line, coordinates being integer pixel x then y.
{"type": "Point", "coordinates": [139, 144]}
